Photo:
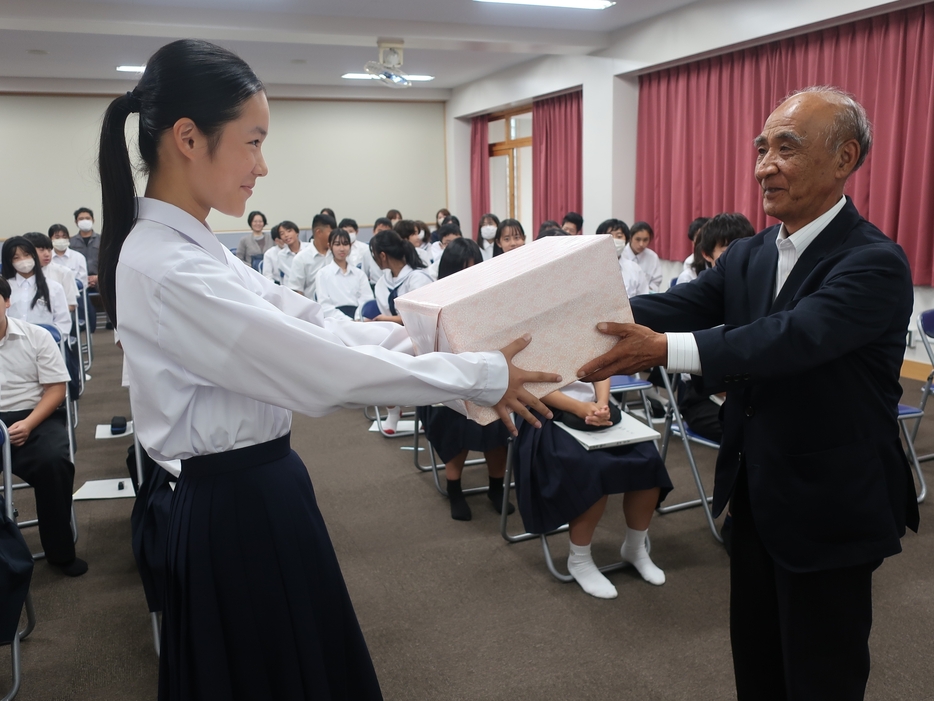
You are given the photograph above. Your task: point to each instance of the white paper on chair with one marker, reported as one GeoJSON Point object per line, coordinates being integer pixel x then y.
{"type": "Point", "coordinates": [105, 489]}
{"type": "Point", "coordinates": [628, 430]}
{"type": "Point", "coordinates": [103, 431]}
{"type": "Point", "coordinates": [404, 426]}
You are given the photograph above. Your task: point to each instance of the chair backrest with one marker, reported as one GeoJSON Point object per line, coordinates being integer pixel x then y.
{"type": "Point", "coordinates": [370, 310]}
{"type": "Point", "coordinates": [56, 334]}
{"type": "Point", "coordinates": [674, 281]}
{"type": "Point", "coordinates": [926, 331]}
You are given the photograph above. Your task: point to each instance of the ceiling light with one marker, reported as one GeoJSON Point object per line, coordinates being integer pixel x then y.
{"type": "Point", "coordinates": [574, 4]}
{"type": "Point", "coordinates": [131, 69]}
{"type": "Point", "coordinates": [367, 76]}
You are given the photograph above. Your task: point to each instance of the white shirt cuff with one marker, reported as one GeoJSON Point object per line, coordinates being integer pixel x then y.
{"type": "Point", "coordinates": [683, 355]}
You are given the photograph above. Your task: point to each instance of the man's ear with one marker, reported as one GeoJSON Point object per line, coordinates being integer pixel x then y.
{"type": "Point", "coordinates": [188, 139]}
{"type": "Point", "coordinates": [847, 156]}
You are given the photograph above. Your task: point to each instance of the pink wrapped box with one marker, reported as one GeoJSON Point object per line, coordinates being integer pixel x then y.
{"type": "Point", "coordinates": [556, 290]}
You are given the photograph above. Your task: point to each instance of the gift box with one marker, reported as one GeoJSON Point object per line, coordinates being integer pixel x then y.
{"type": "Point", "coordinates": [556, 290]}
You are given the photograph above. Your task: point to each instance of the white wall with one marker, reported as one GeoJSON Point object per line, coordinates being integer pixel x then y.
{"type": "Point", "coordinates": [359, 158]}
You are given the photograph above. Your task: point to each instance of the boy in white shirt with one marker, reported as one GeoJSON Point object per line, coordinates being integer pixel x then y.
{"type": "Point", "coordinates": [61, 244]}
{"type": "Point", "coordinates": [32, 389]}
{"type": "Point", "coordinates": [304, 268]}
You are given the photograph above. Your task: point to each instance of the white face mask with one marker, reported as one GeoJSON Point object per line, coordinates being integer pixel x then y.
{"type": "Point", "coordinates": [488, 232]}
{"type": "Point", "coordinates": [85, 225]}
{"type": "Point", "coordinates": [620, 246]}
{"type": "Point", "coordinates": [24, 266]}
{"type": "Point", "coordinates": [353, 237]}
{"type": "Point", "coordinates": [421, 235]}
{"type": "Point", "coordinates": [61, 244]}
{"type": "Point", "coordinates": [440, 221]}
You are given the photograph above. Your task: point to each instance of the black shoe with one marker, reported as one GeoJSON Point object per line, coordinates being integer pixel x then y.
{"type": "Point", "coordinates": [658, 409]}
{"type": "Point", "coordinates": [75, 568]}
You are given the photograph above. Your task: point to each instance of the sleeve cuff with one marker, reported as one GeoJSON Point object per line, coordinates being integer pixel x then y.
{"type": "Point", "coordinates": [683, 355]}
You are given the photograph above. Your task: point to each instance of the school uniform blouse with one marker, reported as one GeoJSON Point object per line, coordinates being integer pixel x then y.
{"type": "Point", "coordinates": [336, 288]}
{"type": "Point", "coordinates": [633, 277]}
{"type": "Point", "coordinates": [201, 333]}
{"type": "Point", "coordinates": [303, 268]}
{"type": "Point", "coordinates": [23, 291]}
{"type": "Point", "coordinates": [29, 360]}
{"type": "Point", "coordinates": [648, 261]}
{"type": "Point", "coordinates": [270, 269]}
{"type": "Point", "coordinates": [284, 260]}
{"type": "Point", "coordinates": [64, 277]}
{"type": "Point", "coordinates": [75, 262]}
{"type": "Point", "coordinates": [407, 280]}
{"type": "Point", "coordinates": [424, 253]}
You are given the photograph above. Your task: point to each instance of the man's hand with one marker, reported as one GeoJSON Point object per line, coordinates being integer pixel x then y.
{"type": "Point", "coordinates": [639, 348]}
{"type": "Point", "coordinates": [517, 397]}
{"type": "Point", "coordinates": [19, 432]}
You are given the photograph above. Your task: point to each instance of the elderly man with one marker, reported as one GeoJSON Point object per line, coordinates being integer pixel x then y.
{"type": "Point", "coordinates": [816, 307]}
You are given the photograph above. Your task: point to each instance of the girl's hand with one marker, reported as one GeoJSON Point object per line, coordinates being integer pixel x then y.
{"type": "Point", "coordinates": [386, 317]}
{"type": "Point", "coordinates": [600, 416]}
{"type": "Point", "coordinates": [517, 398]}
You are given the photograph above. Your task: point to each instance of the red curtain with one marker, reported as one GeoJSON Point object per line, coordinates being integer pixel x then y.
{"type": "Point", "coordinates": [479, 168]}
{"type": "Point", "coordinates": [557, 167]}
{"type": "Point", "coordinates": [697, 122]}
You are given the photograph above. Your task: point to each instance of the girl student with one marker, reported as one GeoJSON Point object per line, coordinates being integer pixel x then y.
{"type": "Point", "coordinates": [410, 231]}
{"type": "Point", "coordinates": [453, 435]}
{"type": "Point", "coordinates": [341, 286]}
{"type": "Point", "coordinates": [198, 329]}
{"type": "Point", "coordinates": [486, 232]}
{"type": "Point", "coordinates": [559, 482]}
{"type": "Point", "coordinates": [34, 297]}
{"type": "Point", "coordinates": [509, 236]}
{"type": "Point", "coordinates": [404, 270]}
{"type": "Point", "coordinates": [640, 236]}
{"type": "Point", "coordinates": [633, 277]}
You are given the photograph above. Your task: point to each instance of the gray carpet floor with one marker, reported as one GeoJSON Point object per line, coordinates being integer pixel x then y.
{"type": "Point", "coordinates": [449, 609]}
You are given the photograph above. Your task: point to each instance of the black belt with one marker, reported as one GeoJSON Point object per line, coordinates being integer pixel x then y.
{"type": "Point", "coordinates": [238, 458]}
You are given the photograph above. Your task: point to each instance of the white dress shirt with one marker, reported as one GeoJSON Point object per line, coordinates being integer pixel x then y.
{"type": "Point", "coordinates": [683, 355]}
{"type": "Point", "coordinates": [360, 257]}
{"type": "Point", "coordinates": [303, 269]}
{"type": "Point", "coordinates": [424, 253]}
{"type": "Point", "coordinates": [29, 359]}
{"type": "Point", "coordinates": [648, 261]}
{"type": "Point", "coordinates": [75, 262]}
{"type": "Point", "coordinates": [270, 264]}
{"type": "Point", "coordinates": [285, 258]}
{"type": "Point", "coordinates": [337, 288]}
{"type": "Point", "coordinates": [407, 280]}
{"type": "Point", "coordinates": [486, 248]}
{"type": "Point", "coordinates": [64, 277]}
{"type": "Point", "coordinates": [202, 332]}
{"type": "Point", "coordinates": [24, 291]}
{"type": "Point", "coordinates": [633, 277]}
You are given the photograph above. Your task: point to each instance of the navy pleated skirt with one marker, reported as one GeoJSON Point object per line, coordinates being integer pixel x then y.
{"type": "Point", "coordinates": [451, 433]}
{"type": "Point", "coordinates": [558, 480]}
{"type": "Point", "coordinates": [255, 603]}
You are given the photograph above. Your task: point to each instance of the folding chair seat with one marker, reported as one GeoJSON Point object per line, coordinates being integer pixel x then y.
{"type": "Point", "coordinates": [676, 426]}
{"type": "Point", "coordinates": [10, 513]}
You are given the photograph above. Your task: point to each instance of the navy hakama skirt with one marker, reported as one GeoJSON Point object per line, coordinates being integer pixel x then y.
{"type": "Point", "coordinates": [255, 604]}
{"type": "Point", "coordinates": [558, 480]}
{"type": "Point", "coordinates": [450, 432]}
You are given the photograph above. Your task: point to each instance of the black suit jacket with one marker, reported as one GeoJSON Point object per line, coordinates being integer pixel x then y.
{"type": "Point", "coordinates": [812, 383]}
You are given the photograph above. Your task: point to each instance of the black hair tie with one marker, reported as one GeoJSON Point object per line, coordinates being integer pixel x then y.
{"type": "Point", "coordinates": [134, 102]}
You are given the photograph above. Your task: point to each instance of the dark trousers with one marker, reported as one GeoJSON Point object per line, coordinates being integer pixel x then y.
{"type": "Point", "coordinates": [44, 463]}
{"type": "Point", "coordinates": [795, 636]}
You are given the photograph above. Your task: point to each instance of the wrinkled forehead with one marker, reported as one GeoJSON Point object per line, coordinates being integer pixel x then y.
{"type": "Point", "coordinates": [801, 118]}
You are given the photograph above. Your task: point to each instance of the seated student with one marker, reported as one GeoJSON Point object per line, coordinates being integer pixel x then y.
{"type": "Point", "coordinates": [446, 234]}
{"type": "Point", "coordinates": [409, 231]}
{"type": "Point", "coordinates": [394, 216]}
{"type": "Point", "coordinates": [689, 273]}
{"type": "Point", "coordinates": [370, 267]}
{"type": "Point", "coordinates": [329, 212]}
{"type": "Point", "coordinates": [700, 410]}
{"type": "Point", "coordinates": [436, 245]}
{"type": "Point", "coordinates": [573, 224]}
{"type": "Point", "coordinates": [34, 298]}
{"type": "Point", "coordinates": [553, 231]}
{"type": "Point", "coordinates": [451, 219]}
{"type": "Point", "coordinates": [634, 278]}
{"type": "Point", "coordinates": [271, 256]}
{"type": "Point", "coordinates": [559, 482]}
{"type": "Point", "coordinates": [640, 235]}
{"type": "Point", "coordinates": [291, 247]}
{"type": "Point", "coordinates": [452, 434]}
{"type": "Point", "coordinates": [341, 287]}
{"type": "Point", "coordinates": [509, 236]}
{"type": "Point", "coordinates": [31, 394]}
{"type": "Point", "coordinates": [251, 247]}
{"type": "Point", "coordinates": [403, 271]}
{"type": "Point", "coordinates": [486, 232]}
{"type": "Point", "coordinates": [546, 225]}
{"type": "Point", "coordinates": [302, 270]}
{"type": "Point", "coordinates": [440, 216]}
{"type": "Point", "coordinates": [72, 260]}
{"type": "Point", "coordinates": [62, 275]}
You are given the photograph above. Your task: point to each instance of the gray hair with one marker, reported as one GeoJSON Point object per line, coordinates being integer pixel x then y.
{"type": "Point", "coordinates": [850, 122]}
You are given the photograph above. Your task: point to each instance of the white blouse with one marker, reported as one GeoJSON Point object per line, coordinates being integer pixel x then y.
{"type": "Point", "coordinates": [407, 280]}
{"type": "Point", "coordinates": [648, 261]}
{"type": "Point", "coordinates": [23, 291]}
{"type": "Point", "coordinates": [336, 288]}
{"type": "Point", "coordinates": [75, 262]}
{"type": "Point", "coordinates": [201, 332]}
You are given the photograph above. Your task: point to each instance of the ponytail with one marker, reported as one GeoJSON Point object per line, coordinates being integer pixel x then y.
{"type": "Point", "coordinates": [397, 248]}
{"type": "Point", "coordinates": [118, 192]}
{"type": "Point", "coordinates": [188, 78]}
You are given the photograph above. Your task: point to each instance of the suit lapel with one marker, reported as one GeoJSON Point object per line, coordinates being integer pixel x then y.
{"type": "Point", "coordinates": [762, 275]}
{"type": "Point", "coordinates": [826, 242]}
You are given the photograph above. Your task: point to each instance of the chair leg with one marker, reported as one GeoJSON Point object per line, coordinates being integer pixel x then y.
{"type": "Point", "coordinates": [17, 669]}
{"type": "Point", "coordinates": [156, 632]}
{"type": "Point", "coordinates": [915, 462]}
{"type": "Point", "coordinates": [504, 512]}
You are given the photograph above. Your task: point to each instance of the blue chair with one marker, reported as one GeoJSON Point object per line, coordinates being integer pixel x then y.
{"type": "Point", "coordinates": [621, 385]}
{"type": "Point", "coordinates": [10, 515]}
{"type": "Point", "coordinates": [370, 310]}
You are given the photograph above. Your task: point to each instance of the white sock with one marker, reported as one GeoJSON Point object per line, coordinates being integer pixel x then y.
{"type": "Point", "coordinates": [391, 423]}
{"type": "Point", "coordinates": [634, 552]}
{"type": "Point", "coordinates": [583, 569]}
